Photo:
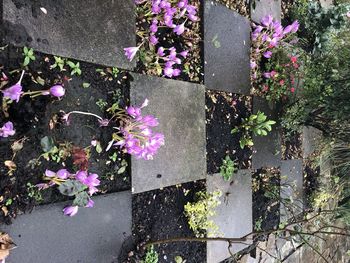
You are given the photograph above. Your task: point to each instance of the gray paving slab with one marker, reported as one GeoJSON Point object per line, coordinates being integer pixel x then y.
{"type": "Point", "coordinates": [234, 216]}
{"type": "Point", "coordinates": [180, 109]}
{"type": "Point", "coordinates": [291, 188]}
{"type": "Point", "coordinates": [227, 49]}
{"type": "Point", "coordinates": [267, 150]}
{"type": "Point", "coordinates": [311, 137]}
{"type": "Point", "coordinates": [93, 30]}
{"type": "Point", "coordinates": [326, 3]}
{"type": "Point", "coordinates": [93, 235]}
{"type": "Point", "coordinates": [264, 8]}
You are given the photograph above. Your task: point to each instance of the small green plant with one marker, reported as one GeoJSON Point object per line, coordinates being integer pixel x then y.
{"type": "Point", "coordinates": [256, 124]}
{"type": "Point", "coordinates": [102, 104]}
{"type": "Point", "coordinates": [74, 67]}
{"type": "Point", "coordinates": [59, 62]}
{"type": "Point", "coordinates": [33, 192]}
{"type": "Point", "coordinates": [197, 213]}
{"type": "Point", "coordinates": [151, 256]}
{"type": "Point", "coordinates": [228, 168]}
{"type": "Point", "coordinates": [123, 166]}
{"type": "Point", "coordinates": [115, 72]}
{"type": "Point", "coordinates": [28, 54]}
{"type": "Point", "coordinates": [53, 152]}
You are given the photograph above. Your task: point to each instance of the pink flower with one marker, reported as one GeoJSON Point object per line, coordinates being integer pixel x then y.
{"type": "Point", "coordinates": [14, 92]}
{"type": "Point", "coordinates": [179, 29]}
{"type": "Point", "coordinates": [160, 52]}
{"type": "Point", "coordinates": [7, 130]}
{"type": "Point", "coordinates": [71, 210]}
{"type": "Point", "coordinates": [267, 20]}
{"type": "Point", "coordinates": [184, 53]}
{"type": "Point", "coordinates": [295, 26]}
{"type": "Point", "coordinates": [130, 52]}
{"type": "Point", "coordinates": [57, 91]}
{"type": "Point", "coordinates": [153, 40]}
{"type": "Point", "coordinates": [292, 90]}
{"type": "Point", "coordinates": [267, 54]}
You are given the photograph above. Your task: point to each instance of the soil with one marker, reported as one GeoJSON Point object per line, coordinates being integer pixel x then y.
{"type": "Point", "coordinates": [190, 40]}
{"type": "Point", "coordinates": [240, 6]}
{"type": "Point", "coordinates": [311, 184]}
{"type": "Point", "coordinates": [35, 118]}
{"type": "Point", "coordinates": [266, 187]}
{"type": "Point", "coordinates": [158, 215]}
{"type": "Point", "coordinates": [291, 146]}
{"type": "Point", "coordinates": [225, 111]}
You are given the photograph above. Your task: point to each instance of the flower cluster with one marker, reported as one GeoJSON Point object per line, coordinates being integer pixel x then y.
{"type": "Point", "coordinates": [164, 14]}
{"type": "Point", "coordinates": [7, 130]}
{"type": "Point", "coordinates": [135, 135]}
{"type": "Point", "coordinates": [282, 78]}
{"type": "Point", "coordinates": [82, 185]}
{"type": "Point", "coordinates": [267, 36]}
{"type": "Point", "coordinates": [14, 93]}
{"type": "Point", "coordinates": [138, 138]}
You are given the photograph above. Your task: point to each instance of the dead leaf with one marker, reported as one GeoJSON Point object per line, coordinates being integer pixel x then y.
{"type": "Point", "coordinates": [6, 244]}
{"type": "Point", "coordinates": [5, 210]}
{"type": "Point", "coordinates": [11, 166]}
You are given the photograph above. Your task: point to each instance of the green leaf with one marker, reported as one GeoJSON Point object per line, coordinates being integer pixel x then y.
{"type": "Point", "coordinates": [26, 61]}
{"type": "Point", "coordinates": [121, 170]}
{"type": "Point", "coordinates": [70, 64]}
{"type": "Point", "coordinates": [47, 143]}
{"type": "Point", "coordinates": [71, 187]}
{"type": "Point", "coordinates": [86, 85]}
{"type": "Point", "coordinates": [25, 50]}
{"type": "Point", "coordinates": [98, 148]}
{"type": "Point", "coordinates": [81, 199]}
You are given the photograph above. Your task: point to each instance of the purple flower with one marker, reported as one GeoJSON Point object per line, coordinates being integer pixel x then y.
{"type": "Point", "coordinates": [62, 174]}
{"type": "Point", "coordinates": [156, 9]}
{"type": "Point", "coordinates": [14, 92]}
{"type": "Point", "coordinates": [133, 111]}
{"type": "Point", "coordinates": [258, 29]}
{"type": "Point", "coordinates": [7, 130]}
{"type": "Point", "coordinates": [49, 173]}
{"type": "Point", "coordinates": [295, 26]}
{"type": "Point", "coordinates": [287, 30]}
{"type": "Point", "coordinates": [160, 52]}
{"type": "Point", "coordinates": [154, 27]}
{"type": "Point", "coordinates": [267, 20]}
{"type": "Point", "coordinates": [70, 210]}
{"type": "Point", "coordinates": [153, 40]}
{"type": "Point", "coordinates": [150, 120]}
{"type": "Point", "coordinates": [90, 203]}
{"type": "Point", "coordinates": [168, 71]}
{"type": "Point", "coordinates": [90, 180]}
{"type": "Point", "coordinates": [267, 54]}
{"type": "Point", "coordinates": [267, 75]}
{"type": "Point", "coordinates": [103, 122]}
{"type": "Point", "coordinates": [130, 52]}
{"type": "Point", "coordinates": [184, 53]}
{"type": "Point", "coordinates": [57, 91]}
{"type": "Point", "coordinates": [176, 72]}
{"type": "Point", "coordinates": [182, 3]}
{"type": "Point", "coordinates": [179, 29]}
{"type": "Point", "coordinates": [193, 18]}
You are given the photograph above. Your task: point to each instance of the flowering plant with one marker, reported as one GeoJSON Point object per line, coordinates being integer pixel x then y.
{"type": "Point", "coordinates": [164, 17]}
{"type": "Point", "coordinates": [82, 185]}
{"type": "Point", "coordinates": [14, 93]}
{"type": "Point", "coordinates": [270, 38]}
{"type": "Point", "coordinates": [134, 132]}
{"type": "Point", "coordinates": [282, 76]}
{"type": "Point", "coordinates": [7, 130]}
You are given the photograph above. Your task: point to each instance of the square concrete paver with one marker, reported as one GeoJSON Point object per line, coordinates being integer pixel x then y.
{"type": "Point", "coordinates": [264, 8]}
{"type": "Point", "coordinates": [267, 150]}
{"type": "Point", "coordinates": [291, 188]}
{"type": "Point", "coordinates": [311, 137]}
{"type": "Point", "coordinates": [93, 235]}
{"type": "Point", "coordinates": [93, 30]}
{"type": "Point", "coordinates": [180, 109]}
{"type": "Point", "coordinates": [226, 49]}
{"type": "Point", "coordinates": [234, 216]}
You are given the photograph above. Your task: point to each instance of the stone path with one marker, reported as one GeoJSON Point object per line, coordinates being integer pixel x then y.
{"type": "Point", "coordinates": [96, 31]}
{"type": "Point", "coordinates": [96, 235]}
{"type": "Point", "coordinates": [180, 109]}
{"type": "Point", "coordinates": [267, 150]}
{"type": "Point", "coordinates": [261, 8]}
{"type": "Point", "coordinates": [234, 216]}
{"type": "Point", "coordinates": [227, 49]}
{"type": "Point", "coordinates": [93, 235]}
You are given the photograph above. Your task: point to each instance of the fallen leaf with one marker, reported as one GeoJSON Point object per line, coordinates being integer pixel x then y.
{"type": "Point", "coordinates": [6, 244]}
{"type": "Point", "coordinates": [5, 210]}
